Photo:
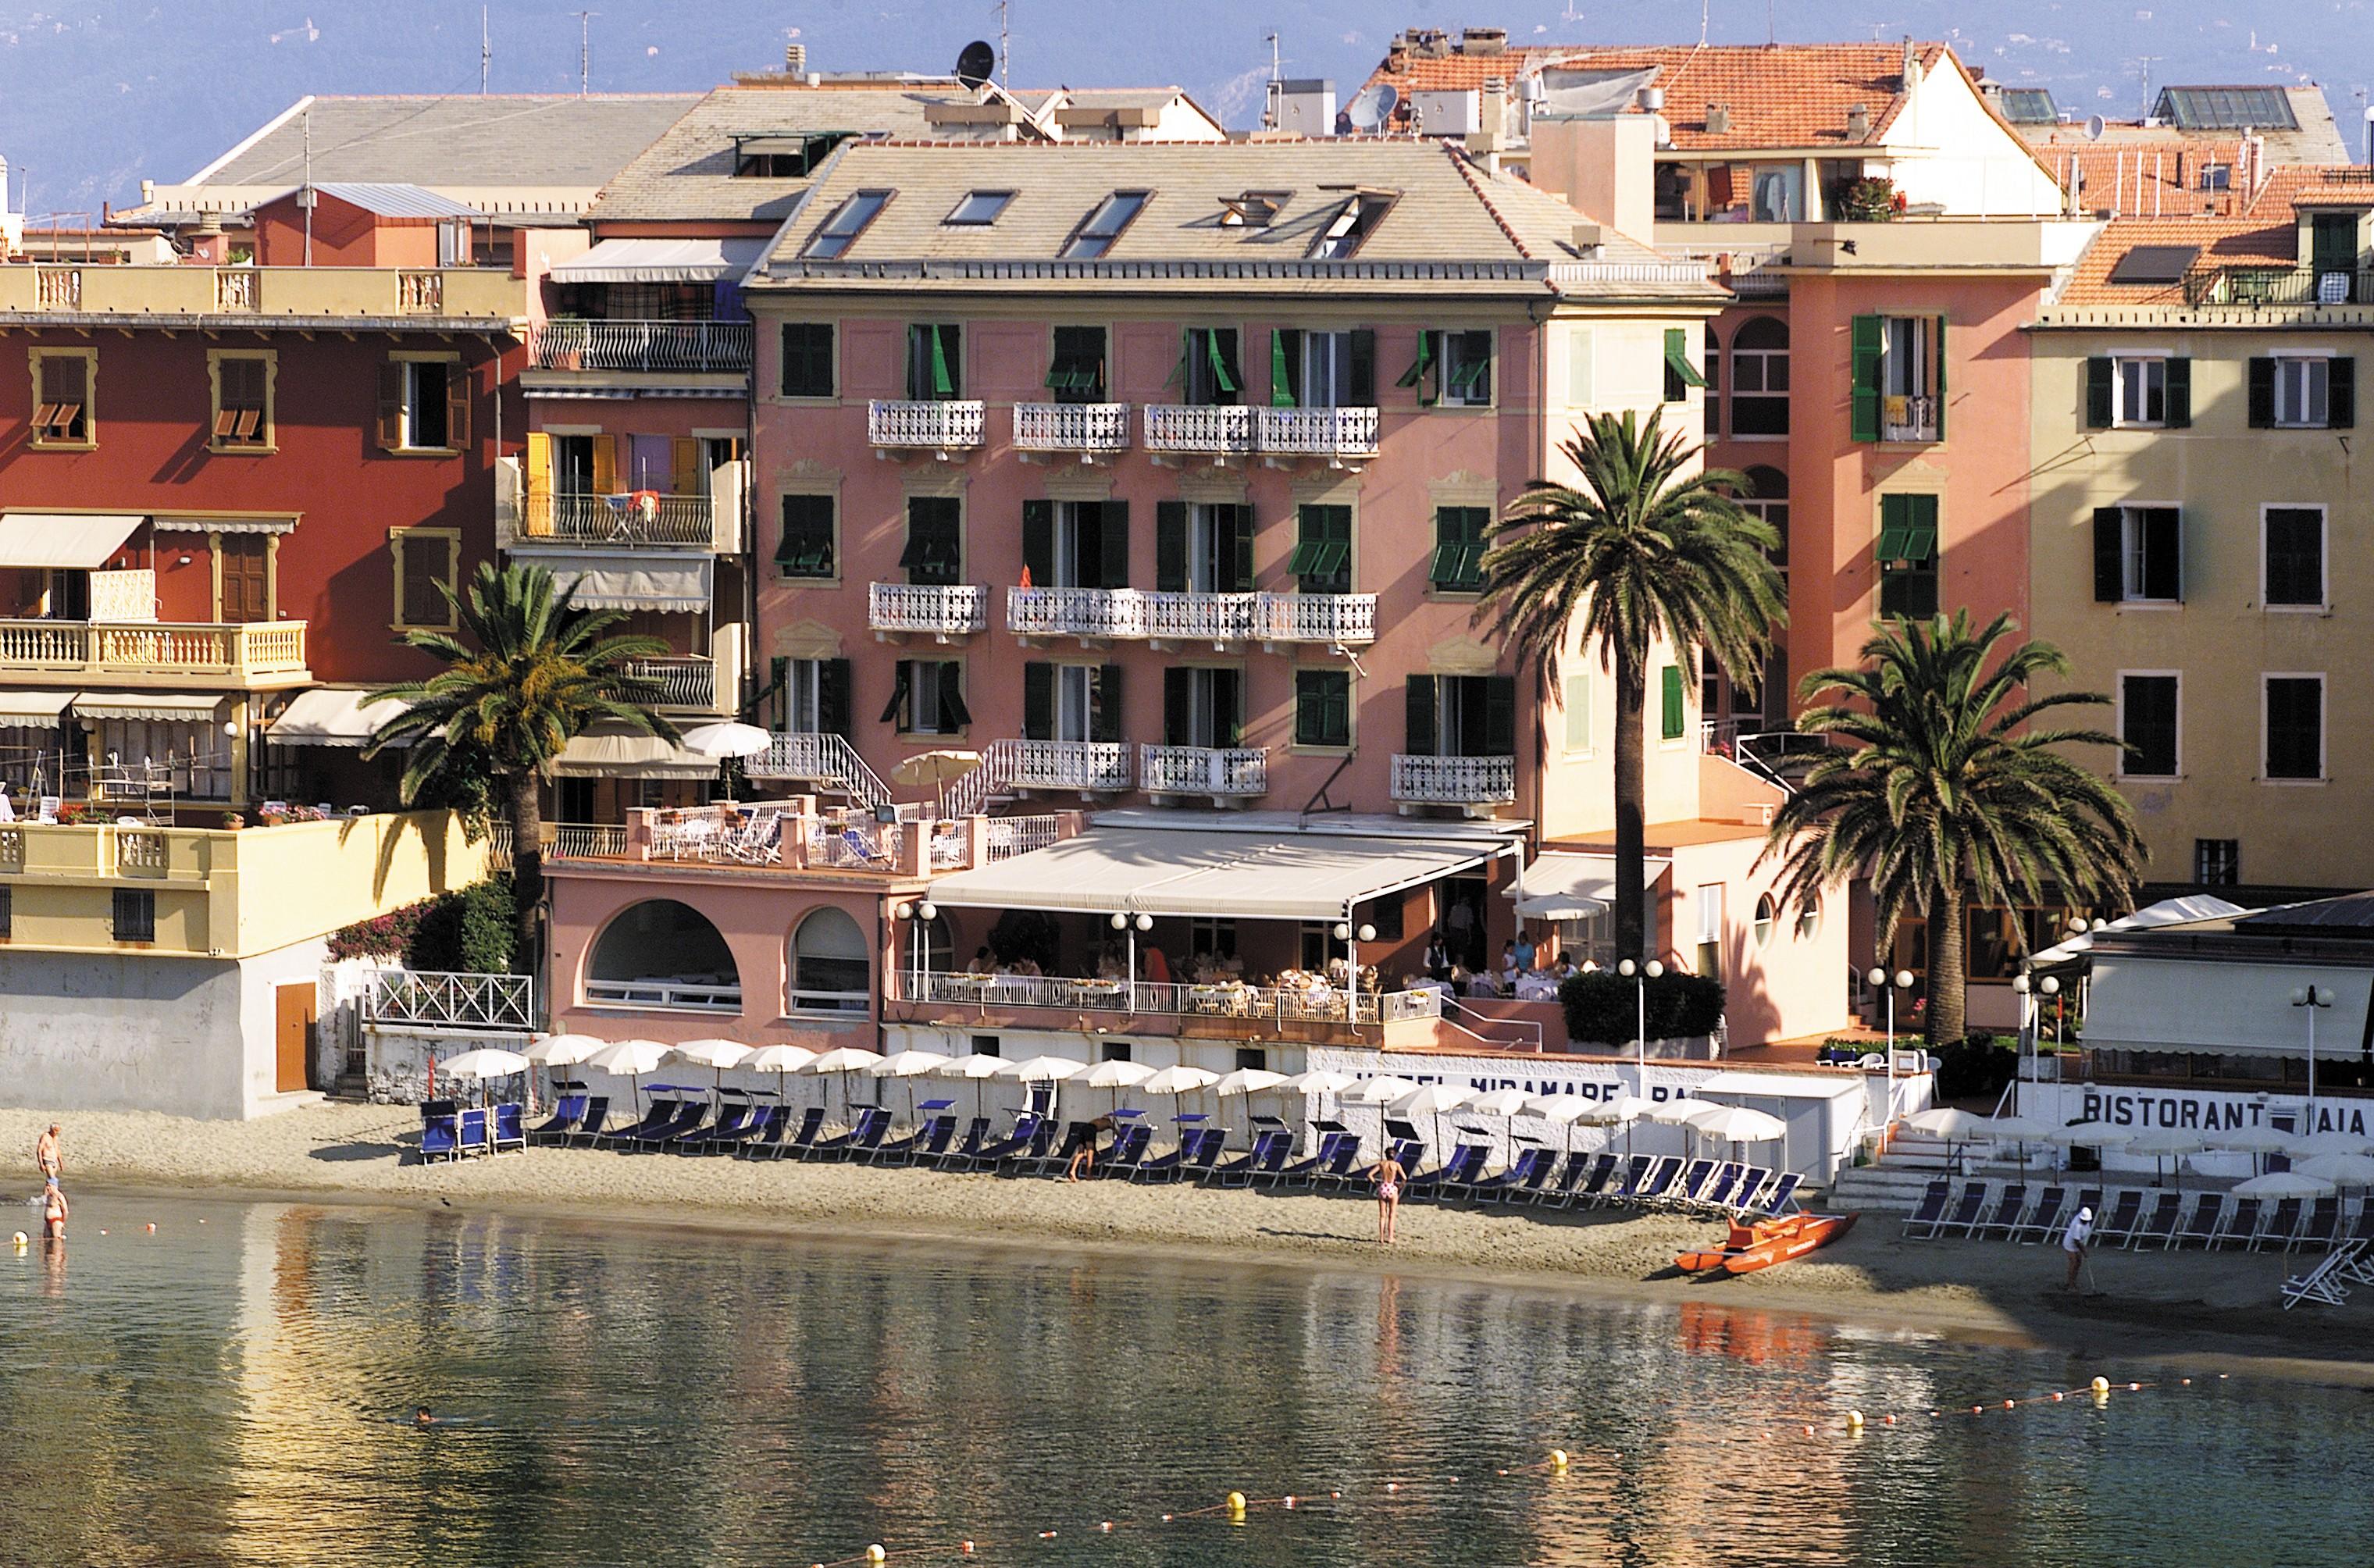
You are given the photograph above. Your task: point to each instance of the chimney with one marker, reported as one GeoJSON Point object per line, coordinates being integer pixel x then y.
{"type": "Point", "coordinates": [1911, 72]}
{"type": "Point", "coordinates": [796, 59]}
{"type": "Point", "coordinates": [1588, 238]}
{"type": "Point", "coordinates": [1858, 123]}
{"type": "Point", "coordinates": [1484, 41]}
{"type": "Point", "coordinates": [1718, 119]}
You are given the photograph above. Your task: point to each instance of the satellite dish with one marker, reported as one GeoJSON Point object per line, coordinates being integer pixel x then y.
{"type": "Point", "coordinates": [976, 63]}
{"type": "Point", "coordinates": [1369, 108]}
{"type": "Point", "coordinates": [2095, 126]}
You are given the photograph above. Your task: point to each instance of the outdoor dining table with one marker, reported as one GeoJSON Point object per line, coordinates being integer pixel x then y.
{"type": "Point", "coordinates": [1536, 987]}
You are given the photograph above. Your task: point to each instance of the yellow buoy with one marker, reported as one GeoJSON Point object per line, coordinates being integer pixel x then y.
{"type": "Point", "coordinates": [1854, 1421]}
{"type": "Point", "coordinates": [1557, 1459]}
{"type": "Point", "coordinates": [876, 1554]}
{"type": "Point", "coordinates": [21, 1240]}
{"type": "Point", "coordinates": [2101, 1384]}
{"type": "Point", "coordinates": [1236, 1506]}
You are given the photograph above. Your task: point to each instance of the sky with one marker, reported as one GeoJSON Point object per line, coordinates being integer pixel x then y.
{"type": "Point", "coordinates": [95, 94]}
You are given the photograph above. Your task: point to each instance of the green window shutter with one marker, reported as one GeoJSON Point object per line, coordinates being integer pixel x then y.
{"type": "Point", "coordinates": [1323, 708]}
{"type": "Point", "coordinates": [1240, 535]}
{"type": "Point", "coordinates": [919, 362]}
{"type": "Point", "coordinates": [1863, 353]}
{"type": "Point", "coordinates": [1177, 688]}
{"type": "Point", "coordinates": [778, 676]}
{"type": "Point", "coordinates": [2102, 393]}
{"type": "Point", "coordinates": [1474, 380]}
{"type": "Point", "coordinates": [1457, 567]}
{"type": "Point", "coordinates": [1323, 551]}
{"type": "Point", "coordinates": [1499, 716]}
{"type": "Point", "coordinates": [894, 712]}
{"type": "Point", "coordinates": [945, 361]}
{"type": "Point", "coordinates": [1170, 547]}
{"type": "Point", "coordinates": [1364, 368]}
{"type": "Point", "coordinates": [1220, 345]}
{"type": "Point", "coordinates": [934, 552]}
{"type": "Point", "coordinates": [1229, 707]}
{"type": "Point", "coordinates": [833, 696]}
{"type": "Point", "coordinates": [805, 548]}
{"type": "Point", "coordinates": [1284, 360]}
{"type": "Point", "coordinates": [1940, 360]}
{"type": "Point", "coordinates": [1039, 542]}
{"type": "Point", "coordinates": [2179, 394]}
{"type": "Point", "coordinates": [1113, 531]}
{"type": "Point", "coordinates": [953, 714]}
{"type": "Point", "coordinates": [1178, 377]}
{"type": "Point", "coordinates": [1104, 705]}
{"type": "Point", "coordinates": [1578, 713]}
{"type": "Point", "coordinates": [1038, 701]}
{"type": "Point", "coordinates": [1415, 375]}
{"type": "Point", "coordinates": [2109, 555]}
{"type": "Point", "coordinates": [2340, 394]}
{"type": "Point", "coordinates": [2262, 394]}
{"type": "Point", "coordinates": [1895, 527]}
{"type": "Point", "coordinates": [1674, 711]}
{"type": "Point", "coordinates": [1679, 373]}
{"type": "Point", "coordinates": [1922, 515]}
{"type": "Point", "coordinates": [1417, 715]}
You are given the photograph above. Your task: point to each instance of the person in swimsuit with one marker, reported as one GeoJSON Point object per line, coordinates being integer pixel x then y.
{"type": "Point", "coordinates": [46, 1158]}
{"type": "Point", "coordinates": [1387, 1175]}
{"type": "Point", "coordinates": [54, 1212]}
{"type": "Point", "coordinates": [1084, 1158]}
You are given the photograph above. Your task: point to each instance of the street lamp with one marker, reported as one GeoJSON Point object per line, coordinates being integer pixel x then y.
{"type": "Point", "coordinates": [2311, 998]}
{"type": "Point", "coordinates": [1643, 974]}
{"type": "Point", "coordinates": [1903, 982]}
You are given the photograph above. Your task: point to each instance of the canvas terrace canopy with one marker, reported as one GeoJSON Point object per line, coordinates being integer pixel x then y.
{"type": "Point", "coordinates": [1305, 876]}
{"type": "Point", "coordinates": [170, 708]}
{"type": "Point", "coordinates": [1574, 886]}
{"type": "Point", "coordinates": [329, 717]}
{"type": "Point", "coordinates": [681, 584]}
{"type": "Point", "coordinates": [661, 261]}
{"type": "Point", "coordinates": [64, 540]}
{"type": "Point", "coordinates": [2222, 1007]}
{"type": "Point", "coordinates": [32, 710]}
{"type": "Point", "coordinates": [632, 756]}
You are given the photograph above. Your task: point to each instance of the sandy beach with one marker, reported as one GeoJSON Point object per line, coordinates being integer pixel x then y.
{"type": "Point", "coordinates": [2188, 1303]}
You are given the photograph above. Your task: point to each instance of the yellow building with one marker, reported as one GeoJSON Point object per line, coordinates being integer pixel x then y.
{"type": "Point", "coordinates": [175, 968]}
{"type": "Point", "coordinates": [2193, 496]}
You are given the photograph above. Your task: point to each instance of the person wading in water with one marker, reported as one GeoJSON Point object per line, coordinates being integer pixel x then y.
{"type": "Point", "coordinates": [1387, 1173]}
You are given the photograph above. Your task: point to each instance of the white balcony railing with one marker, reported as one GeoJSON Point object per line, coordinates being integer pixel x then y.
{"type": "Point", "coordinates": [929, 427]}
{"type": "Point", "coordinates": [1319, 432]}
{"type": "Point", "coordinates": [1218, 430]}
{"type": "Point", "coordinates": [421, 293]}
{"type": "Point", "coordinates": [1454, 781]}
{"type": "Point", "coordinates": [673, 996]}
{"type": "Point", "coordinates": [1071, 426]}
{"type": "Point", "coordinates": [217, 655]}
{"type": "Point", "coordinates": [687, 680]}
{"type": "Point", "coordinates": [1203, 770]}
{"type": "Point", "coordinates": [721, 347]}
{"type": "Point", "coordinates": [1130, 613]}
{"type": "Point", "coordinates": [235, 289]}
{"type": "Point", "coordinates": [585, 840]}
{"type": "Point", "coordinates": [437, 1000]}
{"type": "Point", "coordinates": [818, 757]}
{"type": "Point", "coordinates": [57, 288]}
{"type": "Point", "coordinates": [954, 609]}
{"type": "Point", "coordinates": [1012, 835]}
{"type": "Point", "coordinates": [1089, 766]}
{"type": "Point", "coordinates": [1254, 1004]}
{"type": "Point", "coordinates": [1908, 420]}
{"type": "Point", "coordinates": [642, 517]}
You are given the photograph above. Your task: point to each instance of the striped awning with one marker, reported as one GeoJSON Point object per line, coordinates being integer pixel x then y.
{"type": "Point", "coordinates": [33, 710]}
{"type": "Point", "coordinates": [182, 708]}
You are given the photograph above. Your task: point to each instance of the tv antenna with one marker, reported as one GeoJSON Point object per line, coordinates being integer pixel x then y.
{"type": "Point", "coordinates": [486, 51]}
{"type": "Point", "coordinates": [1269, 102]}
{"type": "Point", "coordinates": [584, 48]}
{"type": "Point", "coordinates": [1005, 43]}
{"type": "Point", "coordinates": [2144, 63]}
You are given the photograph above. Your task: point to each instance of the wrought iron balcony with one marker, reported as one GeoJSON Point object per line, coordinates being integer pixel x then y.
{"type": "Point", "coordinates": [643, 516]}
{"type": "Point", "coordinates": [1089, 766]}
{"type": "Point", "coordinates": [1339, 435]}
{"type": "Point", "coordinates": [701, 346]}
{"type": "Point", "coordinates": [941, 427]}
{"type": "Point", "coordinates": [1129, 614]}
{"type": "Point", "coordinates": [1217, 431]}
{"type": "Point", "coordinates": [944, 612]}
{"type": "Point", "coordinates": [1454, 781]}
{"type": "Point", "coordinates": [1218, 771]}
{"type": "Point", "coordinates": [1087, 430]}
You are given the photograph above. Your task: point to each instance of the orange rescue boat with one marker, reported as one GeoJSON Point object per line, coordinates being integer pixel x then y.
{"type": "Point", "coordinates": [1762, 1244]}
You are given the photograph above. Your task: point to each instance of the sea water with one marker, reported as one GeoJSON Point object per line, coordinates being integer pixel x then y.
{"type": "Point", "coordinates": [242, 1391]}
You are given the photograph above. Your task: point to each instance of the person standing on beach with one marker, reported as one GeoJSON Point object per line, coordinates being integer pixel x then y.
{"type": "Point", "coordinates": [2072, 1242]}
{"type": "Point", "coordinates": [1387, 1175]}
{"type": "Point", "coordinates": [54, 1212]}
{"type": "Point", "coordinates": [46, 1159]}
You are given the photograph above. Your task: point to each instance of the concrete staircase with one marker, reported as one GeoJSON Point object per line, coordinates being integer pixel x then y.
{"type": "Point", "coordinates": [1895, 1183]}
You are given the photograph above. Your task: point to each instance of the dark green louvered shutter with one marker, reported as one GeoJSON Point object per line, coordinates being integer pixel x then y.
{"type": "Point", "coordinates": [1863, 354]}
{"type": "Point", "coordinates": [833, 696]}
{"type": "Point", "coordinates": [1284, 368]}
{"type": "Point", "coordinates": [1104, 712]}
{"type": "Point", "coordinates": [1038, 701]}
{"type": "Point", "coordinates": [1941, 378]}
{"type": "Point", "coordinates": [2178, 412]}
{"type": "Point", "coordinates": [2102, 393]}
{"type": "Point", "coordinates": [1177, 685]}
{"type": "Point", "coordinates": [2109, 555]}
{"type": "Point", "coordinates": [2262, 394]}
{"type": "Point", "coordinates": [902, 682]}
{"type": "Point", "coordinates": [1417, 715]}
{"type": "Point", "coordinates": [1113, 539]}
{"type": "Point", "coordinates": [1170, 546]}
{"type": "Point", "coordinates": [1364, 368]}
{"type": "Point", "coordinates": [1673, 711]}
{"type": "Point", "coordinates": [1499, 716]}
{"type": "Point", "coordinates": [2340, 394]}
{"type": "Point", "coordinates": [953, 714]}
{"type": "Point", "coordinates": [1039, 542]}
{"type": "Point", "coordinates": [1228, 707]}
{"type": "Point", "coordinates": [1239, 530]}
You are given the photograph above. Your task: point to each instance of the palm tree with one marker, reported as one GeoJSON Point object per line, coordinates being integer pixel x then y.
{"type": "Point", "coordinates": [540, 673]}
{"type": "Point", "coordinates": [1641, 551]}
{"type": "Point", "coordinates": [1949, 797]}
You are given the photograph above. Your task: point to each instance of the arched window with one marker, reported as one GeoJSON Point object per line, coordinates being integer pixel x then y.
{"type": "Point", "coordinates": [1713, 357]}
{"type": "Point", "coordinates": [1770, 502]}
{"type": "Point", "coordinates": [1764, 910]}
{"type": "Point", "coordinates": [1809, 917]}
{"type": "Point", "coordinates": [1760, 377]}
{"type": "Point", "coordinates": [664, 954]}
{"type": "Point", "coordinates": [831, 970]}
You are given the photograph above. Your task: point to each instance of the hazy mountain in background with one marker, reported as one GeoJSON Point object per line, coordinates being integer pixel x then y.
{"type": "Point", "coordinates": [96, 94]}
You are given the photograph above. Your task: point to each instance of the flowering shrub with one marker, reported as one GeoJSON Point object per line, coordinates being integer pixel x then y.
{"type": "Point", "coordinates": [470, 930]}
{"type": "Point", "coordinates": [1874, 199]}
{"type": "Point", "coordinates": [276, 816]}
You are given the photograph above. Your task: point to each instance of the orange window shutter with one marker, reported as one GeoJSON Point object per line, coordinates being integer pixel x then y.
{"type": "Point", "coordinates": [457, 406]}
{"type": "Point", "coordinates": [605, 465]}
{"type": "Point", "coordinates": [691, 476]}
{"type": "Point", "coordinates": [391, 405]}
{"type": "Point", "coordinates": [537, 474]}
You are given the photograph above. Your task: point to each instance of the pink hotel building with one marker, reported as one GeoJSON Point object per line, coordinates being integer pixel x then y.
{"type": "Point", "coordinates": [1157, 475]}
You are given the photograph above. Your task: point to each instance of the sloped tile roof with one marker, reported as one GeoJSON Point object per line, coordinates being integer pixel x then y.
{"type": "Point", "coordinates": [449, 142]}
{"type": "Point", "coordinates": [686, 173]}
{"type": "Point", "coordinates": [2152, 182]}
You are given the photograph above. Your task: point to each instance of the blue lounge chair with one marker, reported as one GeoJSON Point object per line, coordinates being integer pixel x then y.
{"type": "Point", "coordinates": [1970, 1204]}
{"type": "Point", "coordinates": [477, 1136]}
{"type": "Point", "coordinates": [920, 1143]}
{"type": "Point", "coordinates": [1628, 1177]}
{"type": "Point", "coordinates": [588, 1130]}
{"type": "Point", "coordinates": [989, 1156]}
{"type": "Point", "coordinates": [2044, 1217]}
{"type": "Point", "coordinates": [509, 1137]}
{"type": "Point", "coordinates": [1692, 1181]}
{"type": "Point", "coordinates": [1655, 1182]}
{"type": "Point", "coordinates": [2004, 1217]}
{"type": "Point", "coordinates": [2283, 1225]}
{"type": "Point", "coordinates": [1205, 1147]}
{"type": "Point", "coordinates": [1714, 1196]}
{"type": "Point", "coordinates": [1032, 1155]}
{"type": "Point", "coordinates": [1267, 1157]}
{"type": "Point", "coordinates": [439, 1139]}
{"type": "Point", "coordinates": [2158, 1225]}
{"type": "Point", "coordinates": [1459, 1175]}
{"type": "Point", "coordinates": [725, 1140]}
{"type": "Point", "coordinates": [657, 1115]}
{"type": "Point", "coordinates": [733, 1123]}
{"type": "Point", "coordinates": [1776, 1199]}
{"type": "Point", "coordinates": [1930, 1209]}
{"type": "Point", "coordinates": [1127, 1153]}
{"type": "Point", "coordinates": [1565, 1177]}
{"type": "Point", "coordinates": [976, 1138]}
{"type": "Point", "coordinates": [2126, 1209]}
{"type": "Point", "coordinates": [1749, 1196]}
{"type": "Point", "coordinates": [1529, 1169]}
{"type": "Point", "coordinates": [1165, 1168]}
{"type": "Point", "coordinates": [2201, 1226]}
{"type": "Point", "coordinates": [1077, 1135]}
{"type": "Point", "coordinates": [568, 1112]}
{"type": "Point", "coordinates": [2243, 1229]}
{"type": "Point", "coordinates": [862, 1138]}
{"type": "Point", "coordinates": [775, 1137]}
{"type": "Point", "coordinates": [690, 1117]}
{"type": "Point", "coordinates": [1329, 1159]}
{"type": "Point", "coordinates": [1584, 1184]}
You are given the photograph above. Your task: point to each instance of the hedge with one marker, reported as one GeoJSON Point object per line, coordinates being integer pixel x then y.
{"type": "Point", "coordinates": [470, 930]}
{"type": "Point", "coordinates": [1604, 1008]}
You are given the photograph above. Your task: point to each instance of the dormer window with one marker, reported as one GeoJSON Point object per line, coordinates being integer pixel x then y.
{"type": "Point", "coordinates": [1254, 209]}
{"type": "Point", "coordinates": [784, 156]}
{"type": "Point", "coordinates": [979, 209]}
{"type": "Point", "coordinates": [1351, 226]}
{"type": "Point", "coordinates": [848, 221]}
{"type": "Point", "coordinates": [1105, 225]}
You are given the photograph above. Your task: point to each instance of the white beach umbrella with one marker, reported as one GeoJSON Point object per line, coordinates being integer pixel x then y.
{"type": "Point", "coordinates": [1179, 1081]}
{"type": "Point", "coordinates": [2018, 1130]}
{"type": "Point", "coordinates": [1377, 1092]}
{"type": "Point", "coordinates": [718, 1053]}
{"type": "Point", "coordinates": [1616, 1110]}
{"type": "Point", "coordinates": [1431, 1100]}
{"type": "Point", "coordinates": [630, 1058]}
{"type": "Point", "coordinates": [1116, 1075]}
{"type": "Point", "coordinates": [725, 740]}
{"type": "Point", "coordinates": [1560, 1110]}
{"type": "Point", "coordinates": [780, 1060]}
{"type": "Point", "coordinates": [1947, 1123]}
{"type": "Point", "coordinates": [561, 1050]}
{"type": "Point", "coordinates": [2261, 1140]}
{"type": "Point", "coordinates": [1738, 1124]}
{"type": "Point", "coordinates": [840, 1062]}
{"type": "Point", "coordinates": [2092, 1135]}
{"type": "Point", "coordinates": [486, 1062]}
{"type": "Point", "coordinates": [2342, 1170]}
{"type": "Point", "coordinates": [2332, 1140]}
{"type": "Point", "coordinates": [2160, 1143]}
{"type": "Point", "coordinates": [1676, 1112]}
{"type": "Point", "coordinates": [977, 1065]}
{"type": "Point", "coordinates": [1318, 1081]}
{"type": "Point", "coordinates": [1248, 1080]}
{"type": "Point", "coordinates": [2284, 1184]}
{"type": "Point", "coordinates": [1499, 1102]}
{"type": "Point", "coordinates": [909, 1064]}
{"type": "Point", "coordinates": [1041, 1069]}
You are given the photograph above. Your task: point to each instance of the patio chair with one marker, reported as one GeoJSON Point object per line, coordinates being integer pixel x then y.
{"type": "Point", "coordinates": [1034, 1152]}
{"type": "Point", "coordinates": [989, 1156]}
{"type": "Point", "coordinates": [2003, 1218]}
{"type": "Point", "coordinates": [2159, 1223]}
{"type": "Point", "coordinates": [1631, 1176]}
{"type": "Point", "coordinates": [1931, 1211]}
{"type": "Point", "coordinates": [928, 1141]}
{"type": "Point", "coordinates": [1458, 1173]}
{"type": "Point", "coordinates": [1480, 1187]}
{"type": "Point", "coordinates": [690, 1116]}
{"type": "Point", "coordinates": [976, 1138]}
{"type": "Point", "coordinates": [1128, 1152]}
{"type": "Point", "coordinates": [2362, 1228]}
{"type": "Point", "coordinates": [475, 1135]}
{"type": "Point", "coordinates": [733, 1123]}
{"type": "Point", "coordinates": [1306, 1170]}
{"type": "Point", "coordinates": [2119, 1223]}
{"type": "Point", "coordinates": [2323, 1222]}
{"type": "Point", "coordinates": [658, 1113]}
{"type": "Point", "coordinates": [588, 1130]}
{"type": "Point", "coordinates": [2201, 1221]}
{"type": "Point", "coordinates": [863, 1137]}
{"type": "Point", "coordinates": [1970, 1204]}
{"type": "Point", "coordinates": [2242, 1228]}
{"type": "Point", "coordinates": [1564, 1179]}
{"type": "Point", "coordinates": [508, 1137]}
{"type": "Point", "coordinates": [2283, 1225]}
{"type": "Point", "coordinates": [568, 1112]}
{"type": "Point", "coordinates": [1715, 1196]}
{"type": "Point", "coordinates": [1693, 1181]}
{"type": "Point", "coordinates": [1205, 1147]}
{"type": "Point", "coordinates": [439, 1137]}
{"type": "Point", "coordinates": [785, 1137]}
{"type": "Point", "coordinates": [1524, 1181]}
{"type": "Point", "coordinates": [1267, 1155]}
{"type": "Point", "coordinates": [1342, 1167]}
{"type": "Point", "coordinates": [1077, 1135]}
{"type": "Point", "coordinates": [1778, 1199]}
{"type": "Point", "coordinates": [1657, 1182]}
{"type": "Point", "coordinates": [733, 1139]}
{"type": "Point", "coordinates": [2324, 1284]}
{"type": "Point", "coordinates": [2051, 1204]}
{"type": "Point", "coordinates": [1588, 1189]}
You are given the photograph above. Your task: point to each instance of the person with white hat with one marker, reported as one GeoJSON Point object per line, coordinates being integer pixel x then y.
{"type": "Point", "coordinates": [2072, 1242]}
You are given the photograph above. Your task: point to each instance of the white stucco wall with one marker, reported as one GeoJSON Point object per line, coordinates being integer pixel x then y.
{"type": "Point", "coordinates": [1944, 148]}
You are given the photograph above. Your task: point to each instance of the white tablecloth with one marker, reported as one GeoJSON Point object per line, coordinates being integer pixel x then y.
{"type": "Point", "coordinates": [1533, 987]}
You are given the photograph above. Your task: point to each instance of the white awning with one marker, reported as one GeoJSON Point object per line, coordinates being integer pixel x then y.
{"type": "Point", "coordinates": [1574, 886]}
{"type": "Point", "coordinates": [2176, 911]}
{"type": "Point", "coordinates": [661, 261]}
{"type": "Point", "coordinates": [632, 757]}
{"type": "Point", "coordinates": [329, 717]}
{"type": "Point", "coordinates": [1780, 1085]}
{"type": "Point", "coordinates": [32, 710]}
{"type": "Point", "coordinates": [679, 583]}
{"type": "Point", "coordinates": [2221, 1007]}
{"type": "Point", "coordinates": [1171, 871]}
{"type": "Point", "coordinates": [178, 707]}
{"type": "Point", "coordinates": [78, 540]}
